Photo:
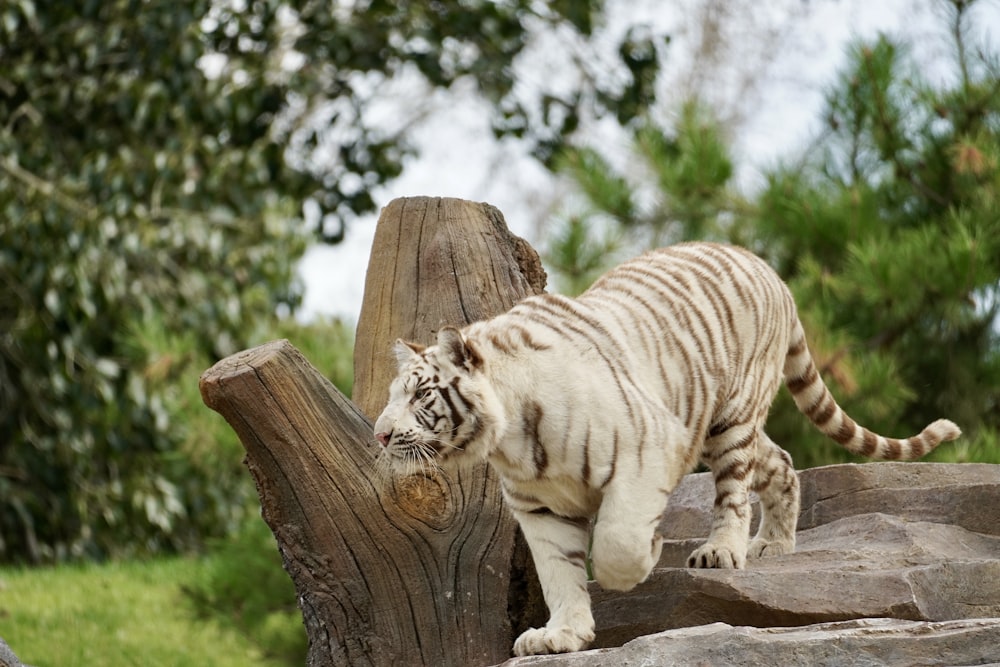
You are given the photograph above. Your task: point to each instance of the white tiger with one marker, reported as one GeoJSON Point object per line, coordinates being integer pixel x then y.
{"type": "Point", "coordinates": [597, 406]}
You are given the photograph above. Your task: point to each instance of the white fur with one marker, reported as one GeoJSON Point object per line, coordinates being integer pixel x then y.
{"type": "Point", "coordinates": [592, 409]}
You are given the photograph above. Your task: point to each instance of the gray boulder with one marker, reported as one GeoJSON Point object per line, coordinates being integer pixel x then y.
{"type": "Point", "coordinates": [918, 542]}
{"type": "Point", "coordinates": [859, 643]}
{"type": "Point", "coordinates": [7, 657]}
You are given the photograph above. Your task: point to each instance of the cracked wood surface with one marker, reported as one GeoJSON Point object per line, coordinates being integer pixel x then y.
{"type": "Point", "coordinates": [434, 262]}
{"type": "Point", "coordinates": [420, 570]}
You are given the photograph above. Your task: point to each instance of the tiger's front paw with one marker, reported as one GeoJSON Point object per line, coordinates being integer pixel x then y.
{"type": "Point", "coordinates": [560, 639]}
{"type": "Point", "coordinates": [721, 556]}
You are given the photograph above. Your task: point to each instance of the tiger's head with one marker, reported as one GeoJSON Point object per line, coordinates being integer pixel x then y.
{"type": "Point", "coordinates": [442, 410]}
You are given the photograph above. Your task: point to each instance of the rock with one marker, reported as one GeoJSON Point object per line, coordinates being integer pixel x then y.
{"type": "Point", "coordinates": [907, 541]}
{"type": "Point", "coordinates": [860, 643]}
{"type": "Point", "coordinates": [7, 657]}
{"type": "Point", "coordinates": [961, 494]}
{"type": "Point", "coordinates": [869, 565]}
{"type": "Point", "coordinates": [964, 494]}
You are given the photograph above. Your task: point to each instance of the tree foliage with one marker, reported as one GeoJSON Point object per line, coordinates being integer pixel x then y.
{"type": "Point", "coordinates": [890, 235]}
{"type": "Point", "coordinates": [675, 187]}
{"type": "Point", "coordinates": [888, 232]}
{"type": "Point", "coordinates": [162, 107]}
{"type": "Point", "coordinates": [156, 160]}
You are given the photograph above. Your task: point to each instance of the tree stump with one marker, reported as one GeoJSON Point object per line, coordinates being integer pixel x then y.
{"type": "Point", "coordinates": [427, 569]}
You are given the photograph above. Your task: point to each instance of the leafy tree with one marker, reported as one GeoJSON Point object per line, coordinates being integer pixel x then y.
{"type": "Point", "coordinates": [888, 232]}
{"type": "Point", "coordinates": [155, 162]}
{"type": "Point", "coordinates": [890, 236]}
{"type": "Point", "coordinates": [676, 189]}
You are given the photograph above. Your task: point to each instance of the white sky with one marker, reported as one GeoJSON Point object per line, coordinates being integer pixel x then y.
{"type": "Point", "coordinates": [460, 158]}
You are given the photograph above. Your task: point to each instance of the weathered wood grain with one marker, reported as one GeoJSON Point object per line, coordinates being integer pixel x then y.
{"type": "Point", "coordinates": [425, 569]}
{"type": "Point", "coordinates": [434, 262]}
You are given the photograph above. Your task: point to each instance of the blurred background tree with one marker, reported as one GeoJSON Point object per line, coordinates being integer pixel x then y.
{"type": "Point", "coordinates": [163, 167]}
{"type": "Point", "coordinates": [887, 230]}
{"type": "Point", "coordinates": [677, 189]}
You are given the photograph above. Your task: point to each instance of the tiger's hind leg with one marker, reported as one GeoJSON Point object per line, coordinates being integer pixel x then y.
{"type": "Point", "coordinates": [777, 484]}
{"type": "Point", "coordinates": [731, 455]}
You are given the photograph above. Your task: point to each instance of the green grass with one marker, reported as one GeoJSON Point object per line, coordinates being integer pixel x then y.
{"type": "Point", "coordinates": [119, 614]}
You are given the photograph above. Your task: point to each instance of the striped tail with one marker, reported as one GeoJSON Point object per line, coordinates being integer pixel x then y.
{"type": "Point", "coordinates": [815, 401]}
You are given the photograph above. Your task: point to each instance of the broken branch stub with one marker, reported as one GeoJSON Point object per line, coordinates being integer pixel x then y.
{"type": "Point", "coordinates": [434, 262]}
{"type": "Point", "coordinates": [424, 569]}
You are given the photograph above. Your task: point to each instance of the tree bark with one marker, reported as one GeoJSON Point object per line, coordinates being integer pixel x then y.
{"type": "Point", "coordinates": [434, 262]}
{"type": "Point", "coordinates": [426, 569]}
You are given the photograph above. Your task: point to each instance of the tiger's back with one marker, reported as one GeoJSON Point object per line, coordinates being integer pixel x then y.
{"type": "Point", "coordinates": [596, 406]}
{"type": "Point", "coordinates": [674, 332]}
{"type": "Point", "coordinates": [698, 320]}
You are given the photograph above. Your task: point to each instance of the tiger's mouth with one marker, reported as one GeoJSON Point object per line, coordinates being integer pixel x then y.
{"type": "Point", "coordinates": [406, 451]}
{"type": "Point", "coordinates": [406, 457]}
{"type": "Point", "coordinates": [412, 454]}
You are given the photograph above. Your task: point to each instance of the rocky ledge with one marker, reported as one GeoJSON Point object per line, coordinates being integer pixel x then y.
{"type": "Point", "coordinates": [896, 564]}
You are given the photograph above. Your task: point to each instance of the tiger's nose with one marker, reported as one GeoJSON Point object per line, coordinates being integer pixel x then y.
{"type": "Point", "coordinates": [383, 438]}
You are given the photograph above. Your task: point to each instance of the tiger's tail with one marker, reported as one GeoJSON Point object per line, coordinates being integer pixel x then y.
{"type": "Point", "coordinates": [815, 401]}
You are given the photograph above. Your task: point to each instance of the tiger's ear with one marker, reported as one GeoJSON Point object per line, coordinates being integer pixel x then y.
{"type": "Point", "coordinates": [457, 350]}
{"type": "Point", "coordinates": [406, 351]}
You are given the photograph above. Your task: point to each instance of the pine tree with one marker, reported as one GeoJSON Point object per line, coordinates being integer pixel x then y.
{"type": "Point", "coordinates": [890, 236]}
{"type": "Point", "coordinates": [674, 189]}
{"type": "Point", "coordinates": [888, 231]}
